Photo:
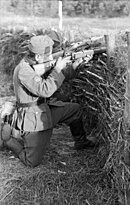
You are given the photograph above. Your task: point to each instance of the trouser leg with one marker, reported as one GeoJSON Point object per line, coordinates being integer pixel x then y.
{"type": "Point", "coordinates": [65, 114]}
{"type": "Point", "coordinates": [34, 145]}
{"type": "Point", "coordinates": [71, 114]}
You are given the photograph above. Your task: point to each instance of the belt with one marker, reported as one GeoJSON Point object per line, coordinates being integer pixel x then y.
{"type": "Point", "coordinates": [30, 104]}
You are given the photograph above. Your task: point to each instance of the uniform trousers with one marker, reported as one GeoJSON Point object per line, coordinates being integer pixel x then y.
{"type": "Point", "coordinates": [33, 145]}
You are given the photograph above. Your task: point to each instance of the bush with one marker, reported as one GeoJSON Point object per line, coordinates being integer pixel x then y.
{"type": "Point", "coordinates": [93, 8]}
{"type": "Point", "coordinates": [114, 9]}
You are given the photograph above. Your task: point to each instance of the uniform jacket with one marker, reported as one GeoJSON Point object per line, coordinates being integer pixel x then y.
{"type": "Point", "coordinates": [30, 87]}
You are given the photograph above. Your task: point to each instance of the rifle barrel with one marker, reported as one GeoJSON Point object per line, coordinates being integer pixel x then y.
{"type": "Point", "coordinates": [84, 53]}
{"type": "Point", "coordinates": [100, 50]}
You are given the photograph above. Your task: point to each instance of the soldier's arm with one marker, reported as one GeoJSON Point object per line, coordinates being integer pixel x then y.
{"type": "Point", "coordinates": [39, 86]}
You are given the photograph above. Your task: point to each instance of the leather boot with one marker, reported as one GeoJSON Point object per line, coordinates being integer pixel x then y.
{"type": "Point", "coordinates": [81, 142]}
{"type": "Point", "coordinates": [79, 135]}
{"type": "Point", "coordinates": [77, 128]}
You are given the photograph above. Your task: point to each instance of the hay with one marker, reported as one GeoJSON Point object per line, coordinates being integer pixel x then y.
{"type": "Point", "coordinates": [100, 91]}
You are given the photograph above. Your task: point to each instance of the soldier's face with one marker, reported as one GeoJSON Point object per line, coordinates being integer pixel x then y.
{"type": "Point", "coordinates": [48, 57]}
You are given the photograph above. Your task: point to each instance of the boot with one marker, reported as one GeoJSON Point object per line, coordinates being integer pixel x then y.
{"type": "Point", "coordinates": [81, 142]}
{"type": "Point", "coordinates": [79, 135]}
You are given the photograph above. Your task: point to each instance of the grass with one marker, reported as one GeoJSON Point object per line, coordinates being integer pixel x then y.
{"type": "Point", "coordinates": [87, 25]}
{"type": "Point", "coordinates": [65, 176]}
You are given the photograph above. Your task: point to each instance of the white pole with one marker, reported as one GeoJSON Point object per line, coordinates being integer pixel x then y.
{"type": "Point", "coordinates": [60, 14]}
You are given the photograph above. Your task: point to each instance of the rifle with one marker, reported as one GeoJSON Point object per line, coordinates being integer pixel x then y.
{"type": "Point", "coordinates": [72, 56]}
{"type": "Point", "coordinates": [69, 55]}
{"type": "Point", "coordinates": [87, 44]}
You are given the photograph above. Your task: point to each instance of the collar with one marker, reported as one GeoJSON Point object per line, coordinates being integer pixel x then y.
{"type": "Point", "coordinates": [30, 61]}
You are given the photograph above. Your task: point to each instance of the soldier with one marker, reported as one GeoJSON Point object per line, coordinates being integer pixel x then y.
{"type": "Point", "coordinates": [36, 112]}
{"type": "Point", "coordinates": [59, 44]}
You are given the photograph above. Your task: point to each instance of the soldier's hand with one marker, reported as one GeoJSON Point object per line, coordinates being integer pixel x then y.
{"type": "Point", "coordinates": [77, 63]}
{"type": "Point", "coordinates": [88, 58]}
{"type": "Point", "coordinates": [61, 63]}
{"type": "Point", "coordinates": [39, 68]}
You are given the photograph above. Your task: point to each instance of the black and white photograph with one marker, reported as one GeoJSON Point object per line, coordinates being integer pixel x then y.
{"type": "Point", "coordinates": [64, 102]}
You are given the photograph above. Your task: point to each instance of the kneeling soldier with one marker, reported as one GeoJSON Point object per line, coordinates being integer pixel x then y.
{"type": "Point", "coordinates": [36, 114]}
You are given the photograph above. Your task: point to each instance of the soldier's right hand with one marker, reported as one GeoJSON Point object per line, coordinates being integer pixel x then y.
{"type": "Point", "coordinates": [61, 63]}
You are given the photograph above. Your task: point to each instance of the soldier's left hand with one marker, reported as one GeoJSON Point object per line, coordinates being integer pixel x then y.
{"type": "Point", "coordinates": [77, 63]}
{"type": "Point", "coordinates": [88, 58]}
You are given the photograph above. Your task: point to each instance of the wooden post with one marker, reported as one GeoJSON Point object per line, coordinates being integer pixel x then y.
{"type": "Point", "coordinates": [126, 155]}
{"type": "Point", "coordinates": [127, 94]}
{"type": "Point", "coordinates": [60, 15]}
{"type": "Point", "coordinates": [110, 45]}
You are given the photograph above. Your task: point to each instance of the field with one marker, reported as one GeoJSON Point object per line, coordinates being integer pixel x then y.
{"type": "Point", "coordinates": [83, 25]}
{"type": "Point", "coordinates": [65, 175]}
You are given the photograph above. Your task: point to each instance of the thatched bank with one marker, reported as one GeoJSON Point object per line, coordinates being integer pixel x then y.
{"type": "Point", "coordinates": [100, 91]}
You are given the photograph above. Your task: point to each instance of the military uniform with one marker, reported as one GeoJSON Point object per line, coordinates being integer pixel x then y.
{"type": "Point", "coordinates": [37, 113]}
{"type": "Point", "coordinates": [29, 87]}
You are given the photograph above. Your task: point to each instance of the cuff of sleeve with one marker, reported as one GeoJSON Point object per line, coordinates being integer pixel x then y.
{"type": "Point", "coordinates": [69, 72]}
{"type": "Point", "coordinates": [60, 77]}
